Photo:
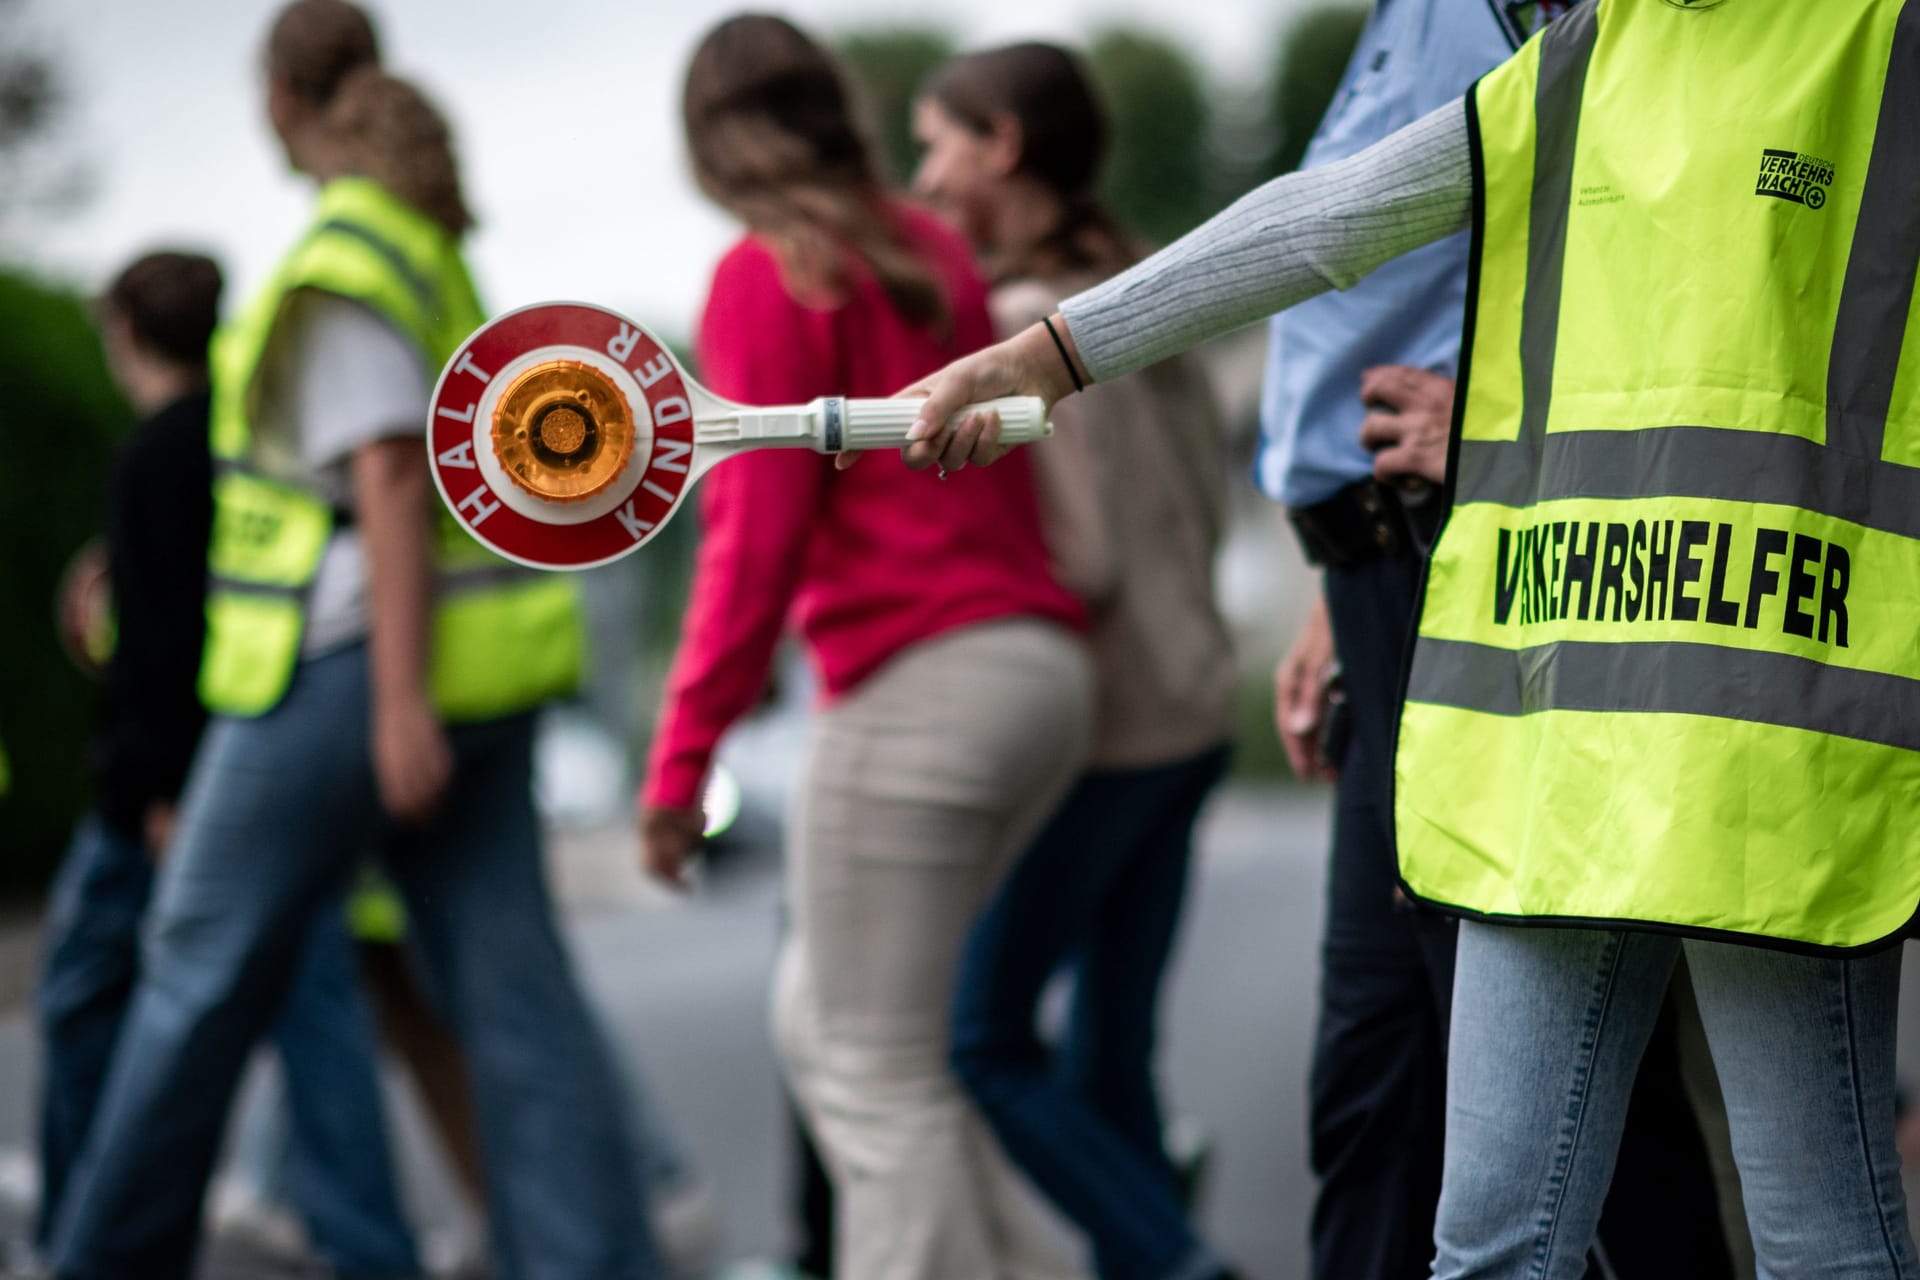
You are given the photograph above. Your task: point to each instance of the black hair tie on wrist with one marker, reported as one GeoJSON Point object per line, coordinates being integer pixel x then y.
{"type": "Point", "coordinates": [1064, 357]}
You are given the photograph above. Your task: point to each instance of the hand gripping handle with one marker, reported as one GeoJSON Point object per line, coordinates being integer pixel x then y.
{"type": "Point", "coordinates": [882, 424]}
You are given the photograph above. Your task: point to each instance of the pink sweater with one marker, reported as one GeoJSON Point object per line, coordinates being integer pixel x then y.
{"type": "Point", "coordinates": [863, 563]}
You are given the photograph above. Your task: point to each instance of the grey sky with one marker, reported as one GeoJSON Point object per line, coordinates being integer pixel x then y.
{"type": "Point", "coordinates": [565, 111]}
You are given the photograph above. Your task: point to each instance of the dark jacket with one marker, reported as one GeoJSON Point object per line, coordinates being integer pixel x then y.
{"type": "Point", "coordinates": [158, 522]}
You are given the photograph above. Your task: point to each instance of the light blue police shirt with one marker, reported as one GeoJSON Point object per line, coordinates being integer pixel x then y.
{"type": "Point", "coordinates": [1414, 57]}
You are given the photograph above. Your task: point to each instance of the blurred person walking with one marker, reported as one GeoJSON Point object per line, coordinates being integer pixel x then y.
{"type": "Point", "coordinates": [157, 319]}
{"type": "Point", "coordinates": [1623, 738]}
{"type": "Point", "coordinates": [1133, 491]}
{"type": "Point", "coordinates": [957, 697]}
{"type": "Point", "coordinates": [373, 674]}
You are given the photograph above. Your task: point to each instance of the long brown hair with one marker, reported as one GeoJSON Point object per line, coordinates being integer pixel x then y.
{"type": "Point", "coordinates": [314, 44]}
{"type": "Point", "coordinates": [1063, 143]}
{"type": "Point", "coordinates": [771, 131]}
{"type": "Point", "coordinates": [397, 138]}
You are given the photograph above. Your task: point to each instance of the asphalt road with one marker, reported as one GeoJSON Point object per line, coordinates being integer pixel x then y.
{"type": "Point", "coordinates": [684, 983]}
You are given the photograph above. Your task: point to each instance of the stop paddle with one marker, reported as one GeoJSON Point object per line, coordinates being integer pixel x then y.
{"type": "Point", "coordinates": [564, 435]}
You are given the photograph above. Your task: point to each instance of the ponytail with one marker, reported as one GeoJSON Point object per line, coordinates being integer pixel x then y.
{"type": "Point", "coordinates": [401, 141]}
{"type": "Point", "coordinates": [1088, 238]}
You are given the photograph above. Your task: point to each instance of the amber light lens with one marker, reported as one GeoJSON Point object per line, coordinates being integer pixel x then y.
{"type": "Point", "coordinates": [563, 431]}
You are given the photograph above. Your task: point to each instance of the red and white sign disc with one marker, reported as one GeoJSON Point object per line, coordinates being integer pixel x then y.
{"type": "Point", "coordinates": [516, 523]}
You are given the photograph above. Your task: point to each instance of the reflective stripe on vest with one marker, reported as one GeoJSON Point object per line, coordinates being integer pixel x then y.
{"type": "Point", "coordinates": [505, 639]}
{"type": "Point", "coordinates": [1668, 666]}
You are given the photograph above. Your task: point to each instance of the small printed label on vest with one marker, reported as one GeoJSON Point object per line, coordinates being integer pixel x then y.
{"type": "Point", "coordinates": [1795, 176]}
{"type": "Point", "coordinates": [1709, 572]}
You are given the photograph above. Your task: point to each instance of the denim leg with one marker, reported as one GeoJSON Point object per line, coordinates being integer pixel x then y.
{"type": "Point", "coordinates": [1662, 1215]}
{"type": "Point", "coordinates": [272, 806]}
{"type": "Point", "coordinates": [1108, 1056]}
{"type": "Point", "coordinates": [1113, 1031]}
{"type": "Point", "coordinates": [339, 1168]}
{"type": "Point", "coordinates": [564, 1196]}
{"type": "Point", "coordinates": [1114, 1185]}
{"type": "Point", "coordinates": [1548, 1030]}
{"type": "Point", "coordinates": [92, 960]}
{"type": "Point", "coordinates": [1804, 1050]}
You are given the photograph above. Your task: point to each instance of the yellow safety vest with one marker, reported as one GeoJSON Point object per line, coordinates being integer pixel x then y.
{"type": "Point", "coordinates": [504, 639]}
{"type": "Point", "coordinates": [1668, 664]}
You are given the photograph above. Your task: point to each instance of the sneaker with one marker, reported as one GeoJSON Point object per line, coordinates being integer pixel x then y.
{"type": "Point", "coordinates": [238, 1213]}
{"type": "Point", "coordinates": [19, 1183]}
{"type": "Point", "coordinates": [454, 1251]}
{"type": "Point", "coordinates": [1190, 1151]}
{"type": "Point", "coordinates": [686, 1227]}
{"type": "Point", "coordinates": [764, 1269]}
{"type": "Point", "coordinates": [19, 1261]}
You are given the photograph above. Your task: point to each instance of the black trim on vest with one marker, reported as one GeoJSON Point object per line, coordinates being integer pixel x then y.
{"type": "Point", "coordinates": [1477, 240]}
{"type": "Point", "coordinates": [1702, 933]}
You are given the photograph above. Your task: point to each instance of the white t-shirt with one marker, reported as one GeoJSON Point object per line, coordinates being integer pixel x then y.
{"type": "Point", "coordinates": [337, 376]}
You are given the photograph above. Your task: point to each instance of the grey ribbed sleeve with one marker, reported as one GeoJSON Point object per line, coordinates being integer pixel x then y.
{"type": "Point", "coordinates": [1282, 243]}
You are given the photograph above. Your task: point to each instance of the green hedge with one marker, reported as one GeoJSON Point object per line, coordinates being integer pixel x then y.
{"type": "Point", "coordinates": [60, 420]}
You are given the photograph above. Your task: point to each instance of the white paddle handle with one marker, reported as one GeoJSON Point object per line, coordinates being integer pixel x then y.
{"type": "Point", "coordinates": [882, 424]}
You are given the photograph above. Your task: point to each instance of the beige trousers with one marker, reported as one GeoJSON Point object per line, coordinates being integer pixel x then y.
{"type": "Point", "coordinates": [920, 788]}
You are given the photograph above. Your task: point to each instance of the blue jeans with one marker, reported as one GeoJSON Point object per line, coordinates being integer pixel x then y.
{"type": "Point", "coordinates": [277, 814]}
{"type": "Point", "coordinates": [1548, 1028]}
{"type": "Point", "coordinates": [343, 1184]}
{"type": "Point", "coordinates": [1100, 887]}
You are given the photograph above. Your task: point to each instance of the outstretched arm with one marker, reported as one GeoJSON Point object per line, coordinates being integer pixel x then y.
{"type": "Point", "coordinates": [1282, 243]}
{"type": "Point", "coordinates": [1289, 240]}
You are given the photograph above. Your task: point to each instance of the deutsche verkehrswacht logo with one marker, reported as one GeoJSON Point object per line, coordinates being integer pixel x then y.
{"type": "Point", "coordinates": [1795, 176]}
